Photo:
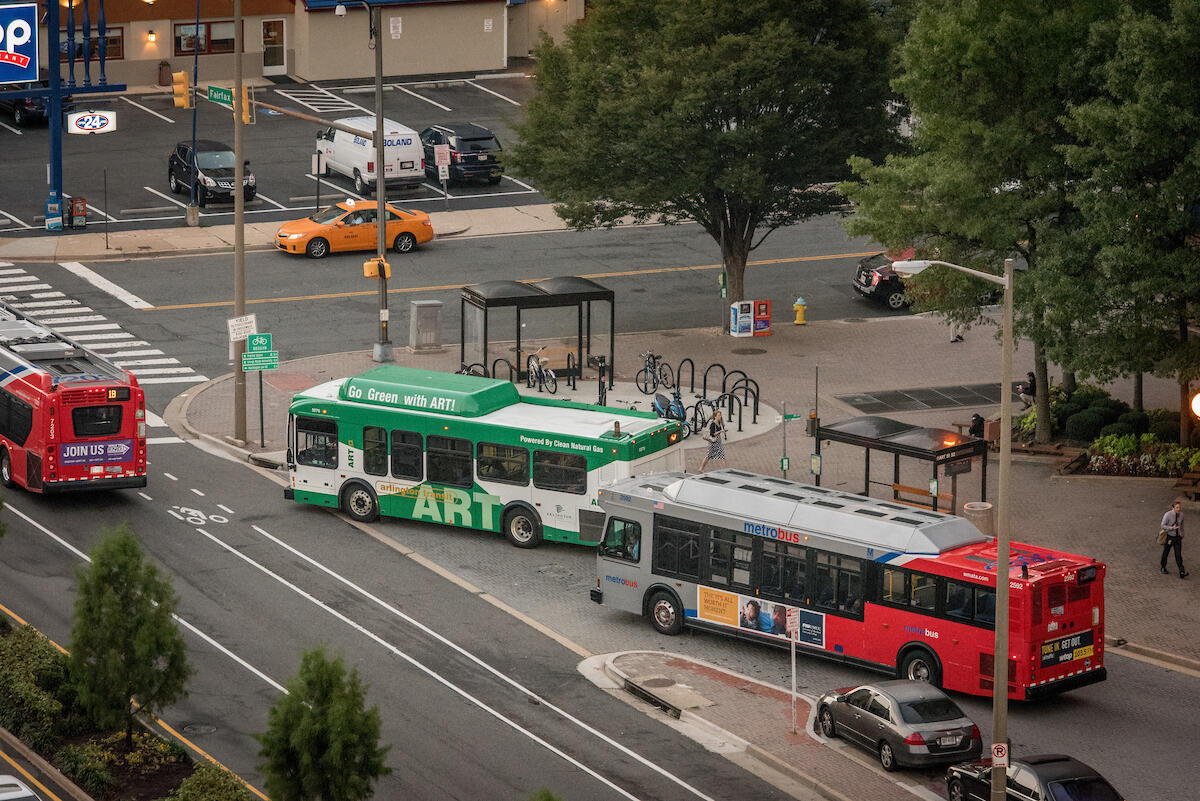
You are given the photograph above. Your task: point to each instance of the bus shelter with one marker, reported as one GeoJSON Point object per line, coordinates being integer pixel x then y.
{"type": "Point", "coordinates": [530, 302]}
{"type": "Point", "coordinates": [940, 447]}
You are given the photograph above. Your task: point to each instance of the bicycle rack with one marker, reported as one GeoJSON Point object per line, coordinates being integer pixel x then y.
{"type": "Point", "coordinates": [743, 384]}
{"type": "Point", "coordinates": [729, 375]}
{"type": "Point", "coordinates": [572, 369]}
{"type": "Point", "coordinates": [730, 398]}
{"type": "Point", "coordinates": [513, 375]}
{"type": "Point", "coordinates": [679, 374]}
{"type": "Point", "coordinates": [724, 372]}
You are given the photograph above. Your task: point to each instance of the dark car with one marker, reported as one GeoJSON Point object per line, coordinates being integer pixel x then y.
{"type": "Point", "coordinates": [877, 280]}
{"type": "Point", "coordinates": [1048, 777]}
{"type": "Point", "coordinates": [25, 110]}
{"type": "Point", "coordinates": [214, 162]}
{"type": "Point", "coordinates": [903, 722]}
{"type": "Point", "coordinates": [473, 150]}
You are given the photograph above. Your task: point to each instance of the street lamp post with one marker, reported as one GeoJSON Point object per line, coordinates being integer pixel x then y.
{"type": "Point", "coordinates": [382, 350]}
{"type": "Point", "coordinates": [1000, 658]}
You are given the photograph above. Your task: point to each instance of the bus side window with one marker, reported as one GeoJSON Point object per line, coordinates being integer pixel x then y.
{"type": "Point", "coordinates": [316, 442]}
{"type": "Point", "coordinates": [375, 451]}
{"type": "Point", "coordinates": [504, 463]}
{"type": "Point", "coordinates": [406, 455]}
{"type": "Point", "coordinates": [895, 586]}
{"type": "Point", "coordinates": [450, 461]}
{"type": "Point", "coordinates": [850, 585]}
{"type": "Point", "coordinates": [924, 591]}
{"type": "Point", "coordinates": [985, 606]}
{"type": "Point", "coordinates": [622, 540]}
{"type": "Point", "coordinates": [560, 472]}
{"type": "Point", "coordinates": [958, 600]}
{"type": "Point", "coordinates": [795, 573]}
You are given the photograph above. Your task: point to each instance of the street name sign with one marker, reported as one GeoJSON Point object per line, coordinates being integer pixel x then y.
{"type": "Point", "coordinates": [221, 96]}
{"type": "Point", "coordinates": [268, 360]}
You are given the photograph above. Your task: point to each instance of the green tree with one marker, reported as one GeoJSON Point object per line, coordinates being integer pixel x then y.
{"type": "Point", "coordinates": [987, 83]}
{"type": "Point", "coordinates": [735, 115]}
{"type": "Point", "coordinates": [322, 743]}
{"type": "Point", "coordinates": [124, 641]}
{"type": "Point", "coordinates": [1138, 147]}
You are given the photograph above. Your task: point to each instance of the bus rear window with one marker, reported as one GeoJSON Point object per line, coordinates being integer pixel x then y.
{"type": "Point", "coordinates": [96, 421]}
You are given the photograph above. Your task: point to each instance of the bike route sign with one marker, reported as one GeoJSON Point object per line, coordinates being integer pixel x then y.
{"type": "Point", "coordinates": [268, 360]}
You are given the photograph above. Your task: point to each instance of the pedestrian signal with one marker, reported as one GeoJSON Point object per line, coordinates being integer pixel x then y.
{"type": "Point", "coordinates": [182, 88]}
{"type": "Point", "coordinates": [377, 268]}
{"type": "Point", "coordinates": [246, 118]}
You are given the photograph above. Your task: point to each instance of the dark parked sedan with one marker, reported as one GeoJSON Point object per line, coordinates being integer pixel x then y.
{"type": "Point", "coordinates": [1049, 777]}
{"type": "Point", "coordinates": [903, 722]}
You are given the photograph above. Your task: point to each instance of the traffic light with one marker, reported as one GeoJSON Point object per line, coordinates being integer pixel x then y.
{"type": "Point", "coordinates": [812, 424]}
{"type": "Point", "coordinates": [246, 106]}
{"type": "Point", "coordinates": [183, 89]}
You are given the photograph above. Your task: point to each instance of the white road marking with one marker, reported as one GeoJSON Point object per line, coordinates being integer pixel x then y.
{"type": "Point", "coordinates": [103, 284]}
{"type": "Point", "coordinates": [520, 183]}
{"type": "Point", "coordinates": [17, 131]}
{"type": "Point", "coordinates": [139, 372]}
{"type": "Point", "coordinates": [99, 211]}
{"type": "Point", "coordinates": [87, 318]}
{"type": "Point", "coordinates": [337, 189]}
{"type": "Point", "coordinates": [57, 311]}
{"type": "Point", "coordinates": [264, 197]}
{"type": "Point", "coordinates": [121, 354]}
{"type": "Point", "coordinates": [154, 421]}
{"type": "Point", "coordinates": [24, 287]}
{"type": "Point", "coordinates": [148, 111]}
{"type": "Point", "coordinates": [162, 440]}
{"type": "Point", "coordinates": [422, 97]}
{"type": "Point", "coordinates": [198, 492]}
{"type": "Point", "coordinates": [14, 279]}
{"type": "Point", "coordinates": [21, 223]}
{"type": "Point", "coordinates": [167, 198]}
{"type": "Point", "coordinates": [100, 337]}
{"type": "Point", "coordinates": [485, 666]}
{"type": "Point", "coordinates": [140, 362]}
{"type": "Point", "coordinates": [78, 329]}
{"type": "Point", "coordinates": [14, 271]}
{"type": "Point", "coordinates": [39, 304]}
{"type": "Point", "coordinates": [179, 379]}
{"type": "Point", "coordinates": [144, 495]}
{"type": "Point", "coordinates": [133, 343]}
{"type": "Point", "coordinates": [53, 294]}
{"type": "Point", "coordinates": [168, 475]}
{"type": "Point", "coordinates": [490, 92]}
{"type": "Point", "coordinates": [225, 509]}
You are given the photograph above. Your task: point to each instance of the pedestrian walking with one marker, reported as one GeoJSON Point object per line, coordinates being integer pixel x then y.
{"type": "Point", "coordinates": [1028, 391]}
{"type": "Point", "coordinates": [956, 332]}
{"type": "Point", "coordinates": [716, 440]}
{"type": "Point", "coordinates": [1172, 523]}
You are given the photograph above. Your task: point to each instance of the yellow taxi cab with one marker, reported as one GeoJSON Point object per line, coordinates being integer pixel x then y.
{"type": "Point", "coordinates": [351, 225]}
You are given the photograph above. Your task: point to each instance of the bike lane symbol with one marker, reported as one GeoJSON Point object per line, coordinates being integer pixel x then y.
{"type": "Point", "coordinates": [194, 517]}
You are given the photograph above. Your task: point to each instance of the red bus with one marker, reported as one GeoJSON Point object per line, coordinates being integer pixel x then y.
{"type": "Point", "coordinates": [69, 419]}
{"type": "Point", "coordinates": [878, 584]}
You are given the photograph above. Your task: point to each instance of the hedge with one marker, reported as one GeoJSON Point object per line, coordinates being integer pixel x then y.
{"type": "Point", "coordinates": [31, 671]}
{"type": "Point", "coordinates": [210, 783]}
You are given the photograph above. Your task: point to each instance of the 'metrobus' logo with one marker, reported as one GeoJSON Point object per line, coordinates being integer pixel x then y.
{"type": "Point", "coordinates": [18, 43]}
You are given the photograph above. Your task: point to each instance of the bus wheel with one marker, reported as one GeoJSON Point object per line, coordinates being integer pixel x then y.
{"type": "Point", "coordinates": [522, 528]}
{"type": "Point", "coordinates": [665, 614]}
{"type": "Point", "coordinates": [5, 468]}
{"type": "Point", "coordinates": [920, 665]}
{"type": "Point", "coordinates": [359, 502]}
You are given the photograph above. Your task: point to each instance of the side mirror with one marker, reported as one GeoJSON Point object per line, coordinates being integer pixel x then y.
{"type": "Point", "coordinates": [291, 463]}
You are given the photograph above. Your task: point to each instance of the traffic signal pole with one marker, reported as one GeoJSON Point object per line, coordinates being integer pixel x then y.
{"type": "Point", "coordinates": [239, 230]}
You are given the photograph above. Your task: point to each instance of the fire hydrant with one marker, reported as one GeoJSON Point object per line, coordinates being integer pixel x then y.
{"type": "Point", "coordinates": [799, 307]}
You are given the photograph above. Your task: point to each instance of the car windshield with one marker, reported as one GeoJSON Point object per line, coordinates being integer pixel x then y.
{"type": "Point", "coordinates": [929, 710]}
{"type": "Point", "coordinates": [215, 159]}
{"type": "Point", "coordinates": [1092, 788]}
{"type": "Point", "coordinates": [328, 216]}
{"type": "Point", "coordinates": [478, 145]}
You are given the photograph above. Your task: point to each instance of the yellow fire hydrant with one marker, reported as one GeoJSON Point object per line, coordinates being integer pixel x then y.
{"type": "Point", "coordinates": [799, 307]}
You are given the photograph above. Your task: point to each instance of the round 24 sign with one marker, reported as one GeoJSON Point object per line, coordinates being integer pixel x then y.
{"type": "Point", "coordinates": [92, 122]}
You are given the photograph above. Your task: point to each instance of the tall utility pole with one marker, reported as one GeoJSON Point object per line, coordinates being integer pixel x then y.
{"type": "Point", "coordinates": [239, 230]}
{"type": "Point", "coordinates": [382, 352]}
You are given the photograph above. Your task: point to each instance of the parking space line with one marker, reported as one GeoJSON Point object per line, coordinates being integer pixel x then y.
{"type": "Point", "coordinates": [167, 198]}
{"type": "Point", "coordinates": [17, 131]}
{"type": "Point", "coordinates": [335, 187]}
{"type": "Point", "coordinates": [104, 285]}
{"type": "Point", "coordinates": [277, 203]}
{"type": "Point", "coordinates": [490, 92]}
{"type": "Point", "coordinates": [422, 97]}
{"type": "Point", "coordinates": [99, 211]}
{"type": "Point", "coordinates": [148, 111]}
{"type": "Point", "coordinates": [14, 219]}
{"type": "Point", "coordinates": [520, 183]}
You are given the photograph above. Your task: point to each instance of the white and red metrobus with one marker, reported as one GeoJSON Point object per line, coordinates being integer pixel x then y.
{"type": "Point", "coordinates": [69, 419]}
{"type": "Point", "coordinates": [875, 583]}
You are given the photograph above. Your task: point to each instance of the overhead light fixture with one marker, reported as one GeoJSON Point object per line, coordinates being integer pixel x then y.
{"type": "Point", "coordinates": [152, 36]}
{"type": "Point", "coordinates": [340, 10]}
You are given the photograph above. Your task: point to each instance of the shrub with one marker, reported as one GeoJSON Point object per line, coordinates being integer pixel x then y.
{"type": "Point", "coordinates": [31, 670]}
{"type": "Point", "coordinates": [1085, 426]}
{"type": "Point", "coordinates": [92, 764]}
{"type": "Point", "coordinates": [210, 783]}
{"type": "Point", "coordinates": [1165, 430]}
{"type": "Point", "coordinates": [1138, 421]}
{"type": "Point", "coordinates": [1119, 445]}
{"type": "Point", "coordinates": [1160, 415]}
{"type": "Point", "coordinates": [1109, 409]}
{"type": "Point", "coordinates": [1065, 410]}
{"type": "Point", "coordinates": [1117, 429]}
{"type": "Point", "coordinates": [87, 764]}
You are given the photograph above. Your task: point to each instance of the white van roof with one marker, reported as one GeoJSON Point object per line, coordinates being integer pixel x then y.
{"type": "Point", "coordinates": [366, 124]}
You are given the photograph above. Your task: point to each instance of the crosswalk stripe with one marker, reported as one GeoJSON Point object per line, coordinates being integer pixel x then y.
{"type": "Point", "coordinates": [56, 322]}
{"type": "Point", "coordinates": [74, 329]}
{"type": "Point", "coordinates": [162, 440]}
{"type": "Point", "coordinates": [24, 288]}
{"type": "Point", "coordinates": [125, 354]}
{"type": "Point", "coordinates": [39, 304]}
{"type": "Point", "coordinates": [174, 379]}
{"type": "Point", "coordinates": [53, 294]}
{"type": "Point", "coordinates": [15, 279]}
{"type": "Point", "coordinates": [89, 338]}
{"type": "Point", "coordinates": [16, 271]}
{"type": "Point", "coordinates": [102, 346]}
{"type": "Point", "coordinates": [144, 363]}
{"type": "Point", "coordinates": [141, 371]}
{"type": "Point", "coordinates": [45, 314]}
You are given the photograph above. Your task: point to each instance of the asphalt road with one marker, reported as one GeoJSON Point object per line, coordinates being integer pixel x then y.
{"type": "Point", "coordinates": [123, 174]}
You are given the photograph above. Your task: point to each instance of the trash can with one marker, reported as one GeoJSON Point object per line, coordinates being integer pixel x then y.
{"type": "Point", "coordinates": [425, 325]}
{"type": "Point", "coordinates": [799, 307]}
{"type": "Point", "coordinates": [982, 515]}
{"type": "Point", "coordinates": [164, 73]}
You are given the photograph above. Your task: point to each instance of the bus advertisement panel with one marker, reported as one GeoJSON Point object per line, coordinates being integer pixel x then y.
{"type": "Point", "coordinates": [467, 451]}
{"type": "Point", "coordinates": [875, 583]}
{"type": "Point", "coordinates": [69, 419]}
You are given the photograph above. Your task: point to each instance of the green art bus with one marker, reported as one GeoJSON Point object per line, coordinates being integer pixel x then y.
{"type": "Point", "coordinates": [467, 451]}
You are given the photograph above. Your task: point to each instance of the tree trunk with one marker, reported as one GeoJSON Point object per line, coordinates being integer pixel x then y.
{"type": "Point", "coordinates": [735, 253]}
{"type": "Point", "coordinates": [1069, 383]}
{"type": "Point", "coordinates": [1041, 432]}
{"type": "Point", "coordinates": [1185, 407]}
{"type": "Point", "coordinates": [1138, 400]}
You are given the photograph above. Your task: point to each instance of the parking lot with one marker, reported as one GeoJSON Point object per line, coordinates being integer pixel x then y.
{"type": "Point", "coordinates": [123, 174]}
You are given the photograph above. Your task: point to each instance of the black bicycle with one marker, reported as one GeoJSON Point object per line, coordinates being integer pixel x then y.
{"type": "Point", "coordinates": [540, 375]}
{"type": "Point", "coordinates": [656, 373]}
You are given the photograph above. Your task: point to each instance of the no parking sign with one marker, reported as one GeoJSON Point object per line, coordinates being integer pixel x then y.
{"type": "Point", "coordinates": [999, 755]}
{"type": "Point", "coordinates": [18, 43]}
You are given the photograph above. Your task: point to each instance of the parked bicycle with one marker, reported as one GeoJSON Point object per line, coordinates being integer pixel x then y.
{"type": "Point", "coordinates": [475, 369]}
{"type": "Point", "coordinates": [702, 414]}
{"type": "Point", "coordinates": [539, 374]}
{"type": "Point", "coordinates": [672, 409]}
{"type": "Point", "coordinates": [656, 373]}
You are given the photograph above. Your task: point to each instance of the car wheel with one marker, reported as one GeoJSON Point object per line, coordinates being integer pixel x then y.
{"type": "Point", "coordinates": [955, 791]}
{"type": "Point", "coordinates": [360, 503]}
{"type": "Point", "coordinates": [895, 300]}
{"type": "Point", "coordinates": [251, 194]}
{"type": "Point", "coordinates": [920, 665]}
{"type": "Point", "coordinates": [405, 243]}
{"type": "Point", "coordinates": [360, 186]}
{"type": "Point", "coordinates": [20, 116]}
{"type": "Point", "coordinates": [522, 528]}
{"type": "Point", "coordinates": [665, 614]}
{"type": "Point", "coordinates": [887, 757]}
{"type": "Point", "coordinates": [318, 248]}
{"type": "Point", "coordinates": [6, 468]}
{"type": "Point", "coordinates": [825, 721]}
{"type": "Point", "coordinates": [176, 187]}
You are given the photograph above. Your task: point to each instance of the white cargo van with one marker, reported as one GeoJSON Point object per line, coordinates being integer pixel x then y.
{"type": "Point", "coordinates": [354, 156]}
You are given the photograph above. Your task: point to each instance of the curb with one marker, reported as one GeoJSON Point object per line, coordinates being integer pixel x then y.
{"type": "Point", "coordinates": [41, 764]}
{"type": "Point", "coordinates": [758, 753]}
{"type": "Point", "coordinates": [1123, 646]}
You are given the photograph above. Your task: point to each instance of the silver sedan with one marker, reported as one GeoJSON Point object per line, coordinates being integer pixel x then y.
{"type": "Point", "coordinates": [903, 722]}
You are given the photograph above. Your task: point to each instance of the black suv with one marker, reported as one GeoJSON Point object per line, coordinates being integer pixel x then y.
{"type": "Point", "coordinates": [877, 280]}
{"type": "Point", "coordinates": [25, 110]}
{"type": "Point", "coordinates": [214, 178]}
{"type": "Point", "coordinates": [473, 150]}
{"type": "Point", "coordinates": [1046, 776]}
